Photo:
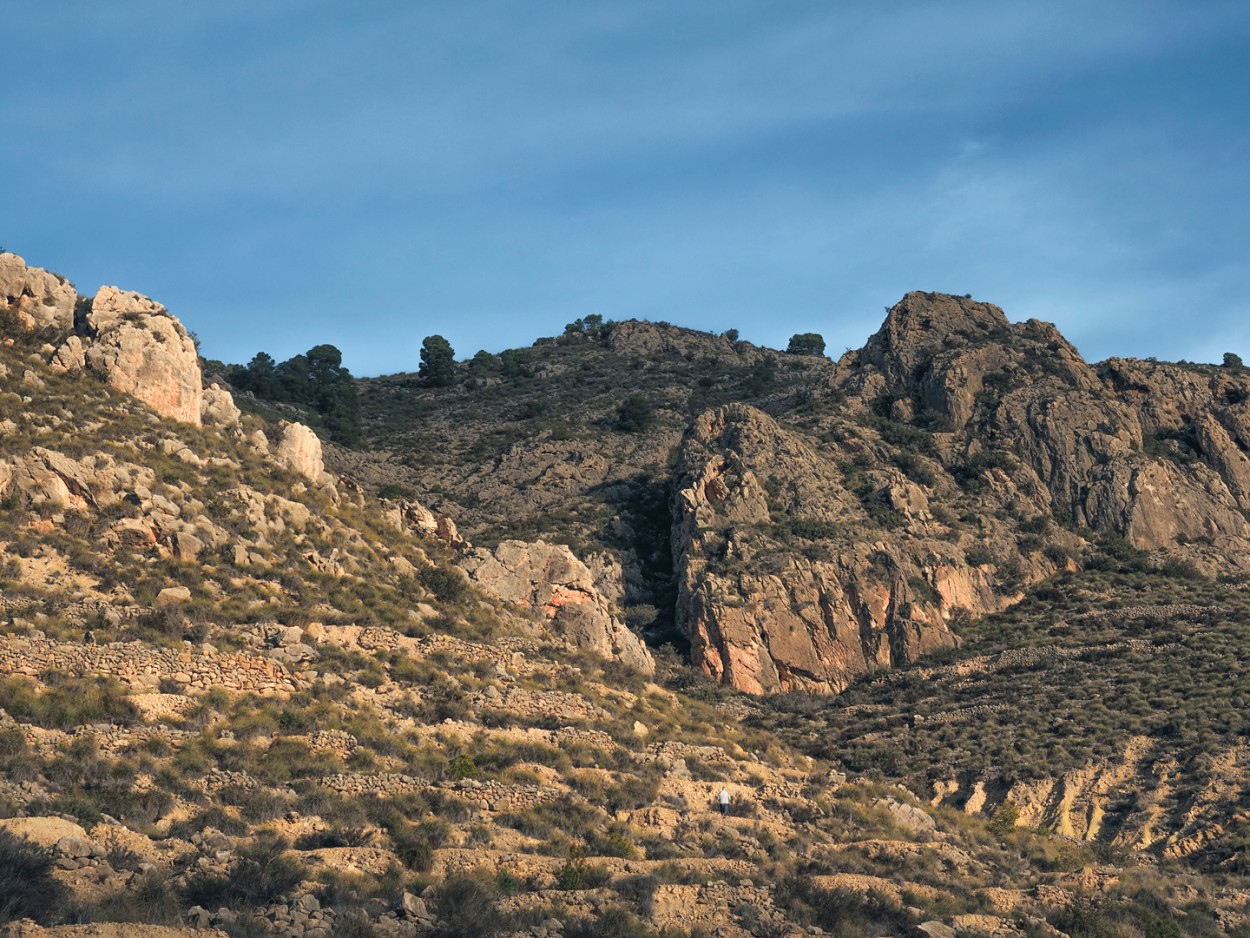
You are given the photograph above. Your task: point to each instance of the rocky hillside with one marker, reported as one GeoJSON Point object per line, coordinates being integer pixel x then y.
{"type": "Point", "coordinates": [802, 524]}
{"type": "Point", "coordinates": [241, 694]}
{"type": "Point", "coordinates": [962, 461]}
{"type": "Point", "coordinates": [909, 508]}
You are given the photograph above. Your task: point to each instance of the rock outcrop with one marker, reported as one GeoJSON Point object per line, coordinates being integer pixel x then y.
{"type": "Point", "coordinates": [111, 304]}
{"type": "Point", "coordinates": [649, 339]}
{"type": "Point", "coordinates": [218, 408]}
{"type": "Point", "coordinates": [300, 450]}
{"type": "Point", "coordinates": [44, 479]}
{"type": "Point", "coordinates": [806, 559]}
{"type": "Point", "coordinates": [70, 358]}
{"type": "Point", "coordinates": [765, 611]}
{"type": "Point", "coordinates": [549, 580]}
{"type": "Point", "coordinates": [36, 298]}
{"type": "Point", "coordinates": [409, 514]}
{"type": "Point", "coordinates": [141, 350]}
{"type": "Point", "coordinates": [1154, 453]}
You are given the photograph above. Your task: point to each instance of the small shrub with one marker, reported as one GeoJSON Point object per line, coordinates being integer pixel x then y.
{"type": "Point", "coordinates": [262, 874]}
{"type": "Point", "coordinates": [462, 765]}
{"type": "Point", "coordinates": [446, 583]}
{"type": "Point", "coordinates": [635, 414]}
{"type": "Point", "coordinates": [150, 898]}
{"type": "Point", "coordinates": [415, 844]}
{"type": "Point", "coordinates": [27, 887]}
{"type": "Point", "coordinates": [1004, 819]}
{"type": "Point", "coordinates": [336, 836]}
{"type": "Point", "coordinates": [843, 911]}
{"type": "Point", "coordinates": [578, 874]}
{"type": "Point", "coordinates": [465, 904]}
{"type": "Point", "coordinates": [612, 922]}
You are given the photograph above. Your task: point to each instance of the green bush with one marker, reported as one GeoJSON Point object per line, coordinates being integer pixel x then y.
{"type": "Point", "coordinates": [461, 765]}
{"type": "Point", "coordinates": [27, 886]}
{"type": "Point", "coordinates": [263, 873]}
{"type": "Point", "coordinates": [447, 583]}
{"type": "Point", "coordinates": [577, 874]}
{"type": "Point", "coordinates": [465, 905]}
{"type": "Point", "coordinates": [635, 414]}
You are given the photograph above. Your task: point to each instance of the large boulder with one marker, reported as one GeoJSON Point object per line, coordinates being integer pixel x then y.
{"type": "Point", "coordinates": [413, 515]}
{"type": "Point", "coordinates": [300, 450]}
{"type": "Point", "coordinates": [71, 357]}
{"type": "Point", "coordinates": [45, 477]}
{"type": "Point", "coordinates": [549, 580]}
{"type": "Point", "coordinates": [218, 408]}
{"type": "Point", "coordinates": [36, 298]}
{"type": "Point", "coordinates": [141, 350]}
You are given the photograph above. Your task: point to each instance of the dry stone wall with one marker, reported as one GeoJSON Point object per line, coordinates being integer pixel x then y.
{"type": "Point", "coordinates": [531, 705]}
{"type": "Point", "coordinates": [144, 666]}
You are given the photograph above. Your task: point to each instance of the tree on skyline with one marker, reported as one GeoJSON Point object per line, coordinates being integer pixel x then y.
{"type": "Point", "coordinates": [438, 361]}
{"type": "Point", "coordinates": [806, 343]}
{"type": "Point", "coordinates": [316, 380]}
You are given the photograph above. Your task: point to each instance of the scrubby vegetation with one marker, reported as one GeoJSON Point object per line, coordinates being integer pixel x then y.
{"type": "Point", "coordinates": [333, 727]}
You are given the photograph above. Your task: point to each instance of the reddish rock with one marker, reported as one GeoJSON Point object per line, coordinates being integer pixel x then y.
{"type": "Point", "coordinates": [551, 581]}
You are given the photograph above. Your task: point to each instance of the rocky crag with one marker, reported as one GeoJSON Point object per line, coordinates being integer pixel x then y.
{"type": "Point", "coordinates": [818, 522]}
{"type": "Point", "coordinates": [909, 503]}
{"type": "Point", "coordinates": [968, 460]}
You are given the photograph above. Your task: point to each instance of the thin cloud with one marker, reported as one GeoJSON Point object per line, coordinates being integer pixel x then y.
{"type": "Point", "coordinates": [496, 169]}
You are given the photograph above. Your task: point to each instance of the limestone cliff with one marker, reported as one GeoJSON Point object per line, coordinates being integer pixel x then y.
{"type": "Point", "coordinates": [1154, 453]}
{"type": "Point", "coordinates": [550, 581]}
{"type": "Point", "coordinates": [937, 474]}
{"type": "Point", "coordinates": [777, 587]}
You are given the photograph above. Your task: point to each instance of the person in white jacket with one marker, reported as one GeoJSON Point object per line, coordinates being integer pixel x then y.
{"type": "Point", "coordinates": [723, 799]}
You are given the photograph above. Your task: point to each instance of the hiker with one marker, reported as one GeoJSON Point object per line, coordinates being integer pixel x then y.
{"type": "Point", "coordinates": [723, 798]}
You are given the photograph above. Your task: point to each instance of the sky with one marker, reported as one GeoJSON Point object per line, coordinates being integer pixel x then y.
{"type": "Point", "coordinates": [286, 173]}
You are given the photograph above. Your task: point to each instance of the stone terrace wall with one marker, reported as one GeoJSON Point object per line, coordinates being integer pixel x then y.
{"type": "Point", "coordinates": [143, 666]}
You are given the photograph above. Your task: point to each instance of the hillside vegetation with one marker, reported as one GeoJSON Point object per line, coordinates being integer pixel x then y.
{"type": "Point", "coordinates": [241, 692]}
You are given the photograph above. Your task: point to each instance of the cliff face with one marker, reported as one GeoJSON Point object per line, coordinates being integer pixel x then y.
{"type": "Point", "coordinates": [1154, 453]}
{"type": "Point", "coordinates": [933, 484]}
{"type": "Point", "coordinates": [775, 588]}
{"type": "Point", "coordinates": [806, 523]}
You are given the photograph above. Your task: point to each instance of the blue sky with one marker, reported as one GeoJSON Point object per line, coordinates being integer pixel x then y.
{"type": "Point", "coordinates": [283, 173]}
